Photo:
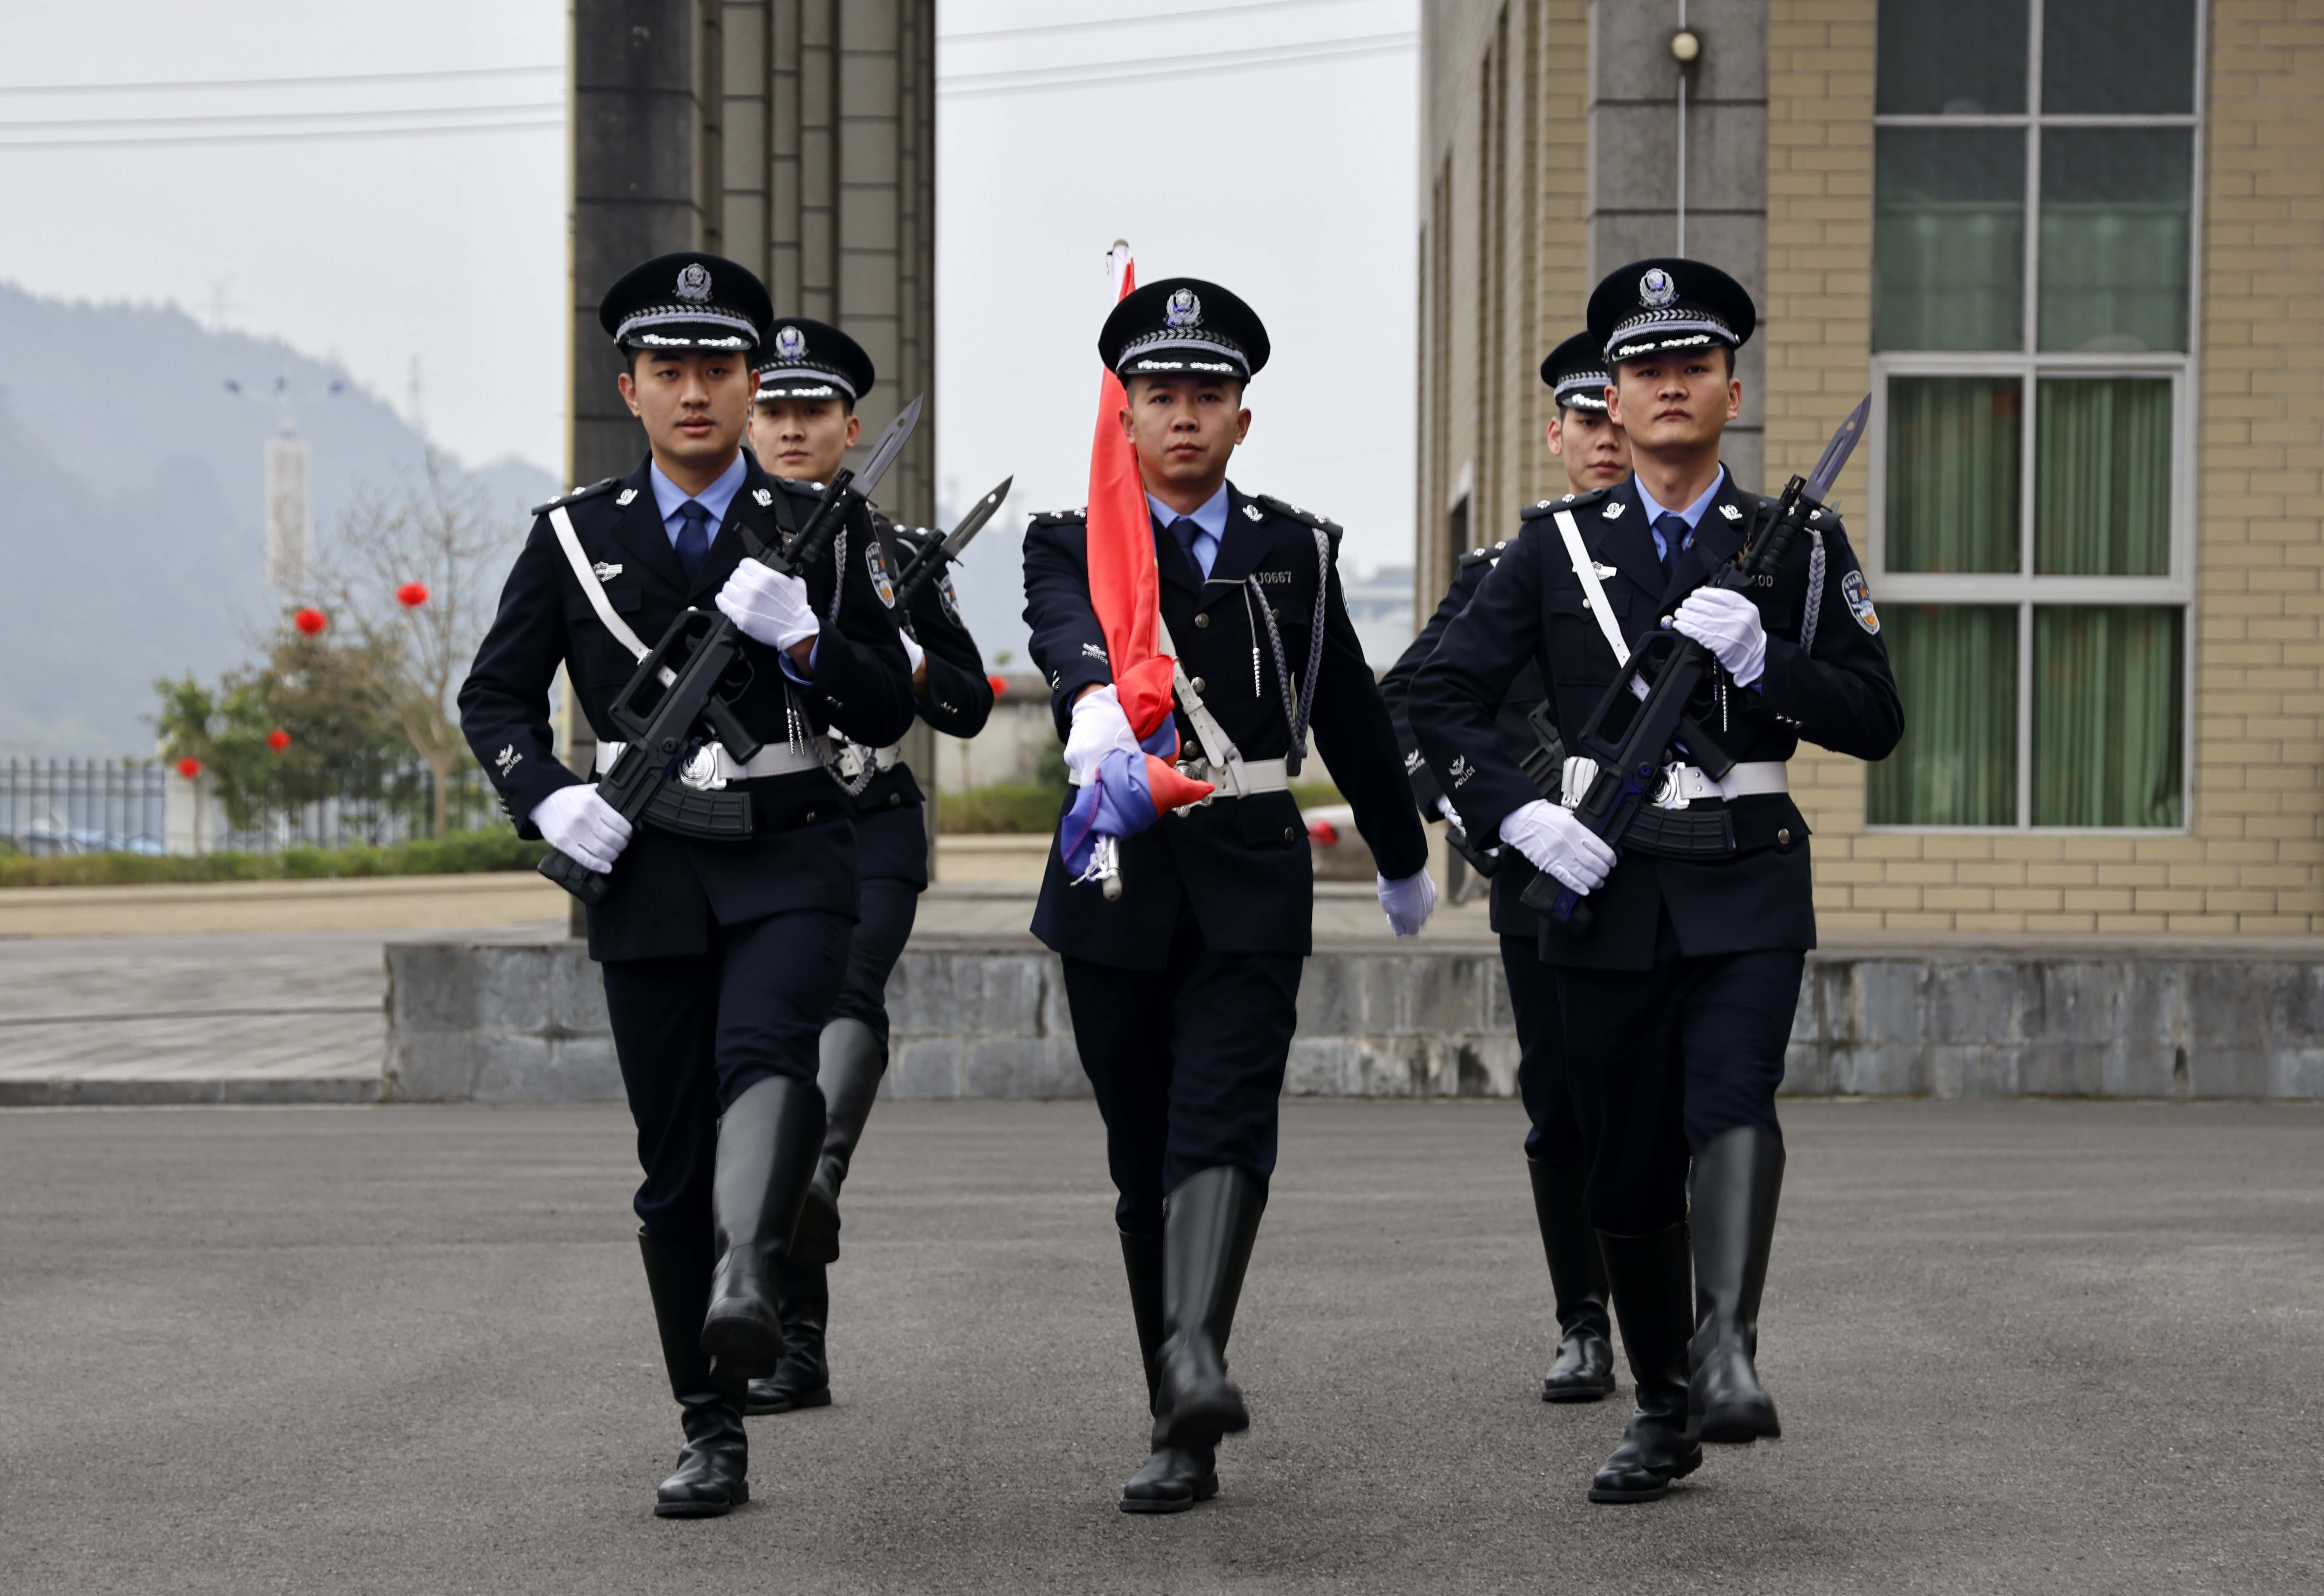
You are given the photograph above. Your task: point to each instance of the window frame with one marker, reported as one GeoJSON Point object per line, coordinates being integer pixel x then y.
{"type": "Point", "coordinates": [2022, 589]}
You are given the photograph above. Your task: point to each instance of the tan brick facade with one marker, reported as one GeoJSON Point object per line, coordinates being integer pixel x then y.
{"type": "Point", "coordinates": [2251, 861]}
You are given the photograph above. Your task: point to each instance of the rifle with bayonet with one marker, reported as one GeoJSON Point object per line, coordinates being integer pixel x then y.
{"type": "Point", "coordinates": [933, 561]}
{"type": "Point", "coordinates": [1632, 731]}
{"type": "Point", "coordinates": [683, 691]}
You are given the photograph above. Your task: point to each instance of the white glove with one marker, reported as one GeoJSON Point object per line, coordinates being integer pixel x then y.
{"type": "Point", "coordinates": [768, 606]}
{"type": "Point", "coordinates": [1728, 624]}
{"type": "Point", "coordinates": [912, 650]}
{"type": "Point", "coordinates": [1559, 845]}
{"type": "Point", "coordinates": [1099, 729]}
{"type": "Point", "coordinates": [1444, 808]}
{"type": "Point", "coordinates": [1409, 902]}
{"type": "Point", "coordinates": [581, 826]}
{"type": "Point", "coordinates": [1580, 771]}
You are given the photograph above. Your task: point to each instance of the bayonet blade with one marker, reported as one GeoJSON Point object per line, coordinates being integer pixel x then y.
{"type": "Point", "coordinates": [1835, 453]}
{"type": "Point", "coordinates": [974, 521]}
{"type": "Point", "coordinates": [891, 443]}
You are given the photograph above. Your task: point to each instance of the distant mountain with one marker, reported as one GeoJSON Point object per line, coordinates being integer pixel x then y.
{"type": "Point", "coordinates": [132, 505]}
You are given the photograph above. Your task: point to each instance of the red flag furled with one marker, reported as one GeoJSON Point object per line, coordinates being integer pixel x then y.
{"type": "Point", "coordinates": [1125, 589]}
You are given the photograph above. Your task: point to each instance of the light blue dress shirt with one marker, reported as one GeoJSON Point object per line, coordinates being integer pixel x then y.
{"type": "Point", "coordinates": [1211, 518]}
{"type": "Point", "coordinates": [1693, 514]}
{"type": "Point", "coordinates": [668, 497]}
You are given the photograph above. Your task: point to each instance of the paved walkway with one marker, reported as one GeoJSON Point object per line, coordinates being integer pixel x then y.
{"type": "Point", "coordinates": [2024, 1347]}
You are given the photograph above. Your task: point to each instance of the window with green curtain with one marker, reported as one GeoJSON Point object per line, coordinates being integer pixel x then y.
{"type": "Point", "coordinates": [1956, 668]}
{"type": "Point", "coordinates": [1948, 237]}
{"type": "Point", "coordinates": [2102, 483]}
{"type": "Point", "coordinates": [2107, 715]}
{"type": "Point", "coordinates": [1957, 58]}
{"type": "Point", "coordinates": [2116, 57]}
{"type": "Point", "coordinates": [1953, 448]}
{"type": "Point", "coordinates": [2116, 213]}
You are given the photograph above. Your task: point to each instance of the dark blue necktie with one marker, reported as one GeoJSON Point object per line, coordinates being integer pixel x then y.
{"type": "Point", "coordinates": [1675, 533]}
{"type": "Point", "coordinates": [693, 538]}
{"type": "Point", "coordinates": [1186, 530]}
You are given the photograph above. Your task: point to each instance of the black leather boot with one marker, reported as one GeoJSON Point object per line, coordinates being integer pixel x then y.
{"type": "Point", "coordinates": [712, 1476]}
{"type": "Point", "coordinates": [1174, 1478]}
{"type": "Point", "coordinates": [1737, 1179]}
{"type": "Point", "coordinates": [1648, 1275]}
{"type": "Point", "coordinates": [1583, 1369]}
{"type": "Point", "coordinates": [1209, 1225]}
{"type": "Point", "coordinates": [803, 1377]}
{"type": "Point", "coordinates": [853, 1060]}
{"type": "Point", "coordinates": [768, 1140]}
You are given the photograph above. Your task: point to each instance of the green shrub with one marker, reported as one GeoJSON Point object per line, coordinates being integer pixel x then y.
{"type": "Point", "coordinates": [1024, 808]}
{"type": "Point", "coordinates": [460, 854]}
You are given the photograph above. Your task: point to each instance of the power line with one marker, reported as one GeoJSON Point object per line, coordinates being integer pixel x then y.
{"type": "Point", "coordinates": [336, 80]}
{"type": "Point", "coordinates": [315, 136]}
{"type": "Point", "coordinates": [1035, 82]}
{"type": "Point", "coordinates": [1144, 20]}
{"type": "Point", "coordinates": [206, 119]}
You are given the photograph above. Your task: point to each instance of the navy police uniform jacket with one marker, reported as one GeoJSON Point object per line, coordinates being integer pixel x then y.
{"type": "Point", "coordinates": [892, 835]}
{"type": "Point", "coordinates": [1837, 693]}
{"type": "Point", "coordinates": [667, 890]}
{"type": "Point", "coordinates": [1509, 916]}
{"type": "Point", "coordinates": [1241, 865]}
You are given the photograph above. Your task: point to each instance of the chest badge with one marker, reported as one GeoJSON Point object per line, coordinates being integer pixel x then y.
{"type": "Point", "coordinates": [1859, 601]}
{"type": "Point", "coordinates": [1601, 571]}
{"type": "Point", "coordinates": [1613, 510]}
{"type": "Point", "coordinates": [624, 496]}
{"type": "Point", "coordinates": [605, 572]}
{"type": "Point", "coordinates": [875, 560]}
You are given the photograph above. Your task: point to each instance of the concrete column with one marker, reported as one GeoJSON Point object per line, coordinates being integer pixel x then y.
{"type": "Point", "coordinates": [1634, 190]}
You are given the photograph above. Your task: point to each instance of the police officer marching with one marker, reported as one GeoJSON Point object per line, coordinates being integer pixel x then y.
{"type": "Point", "coordinates": [1596, 454]}
{"type": "Point", "coordinates": [802, 425]}
{"type": "Point", "coordinates": [1678, 998]}
{"type": "Point", "coordinates": [1183, 993]}
{"type": "Point", "coordinates": [721, 959]}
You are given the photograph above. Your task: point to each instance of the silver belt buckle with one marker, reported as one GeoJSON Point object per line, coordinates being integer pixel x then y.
{"type": "Point", "coordinates": [1670, 793]}
{"type": "Point", "coordinates": [700, 771]}
{"type": "Point", "coordinates": [850, 760]}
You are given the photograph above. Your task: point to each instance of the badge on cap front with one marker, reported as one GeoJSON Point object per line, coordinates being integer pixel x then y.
{"type": "Point", "coordinates": [694, 283]}
{"type": "Point", "coordinates": [1655, 288]}
{"type": "Point", "coordinates": [1184, 310]}
{"type": "Point", "coordinates": [790, 342]}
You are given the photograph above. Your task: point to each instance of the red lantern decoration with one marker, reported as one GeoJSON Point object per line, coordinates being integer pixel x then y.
{"type": "Point", "coordinates": [189, 767]}
{"type": "Point", "coordinates": [411, 595]}
{"type": "Point", "coordinates": [999, 684]}
{"type": "Point", "coordinates": [309, 620]}
{"type": "Point", "coordinates": [278, 739]}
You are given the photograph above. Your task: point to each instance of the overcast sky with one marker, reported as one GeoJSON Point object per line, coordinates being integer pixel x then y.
{"type": "Point", "coordinates": [1292, 184]}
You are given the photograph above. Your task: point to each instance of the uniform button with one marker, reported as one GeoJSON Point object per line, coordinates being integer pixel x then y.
{"type": "Point", "coordinates": [1783, 837]}
{"type": "Point", "coordinates": [1202, 621]}
{"type": "Point", "coordinates": [1290, 834]}
{"type": "Point", "coordinates": [1200, 686]}
{"type": "Point", "coordinates": [810, 816]}
{"type": "Point", "coordinates": [894, 799]}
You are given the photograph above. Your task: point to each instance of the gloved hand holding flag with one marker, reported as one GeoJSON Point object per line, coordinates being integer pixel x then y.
{"type": "Point", "coordinates": [1125, 793]}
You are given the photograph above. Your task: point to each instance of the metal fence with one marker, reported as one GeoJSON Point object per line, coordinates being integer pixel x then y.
{"type": "Point", "coordinates": [98, 806]}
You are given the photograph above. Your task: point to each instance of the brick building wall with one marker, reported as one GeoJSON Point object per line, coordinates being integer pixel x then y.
{"type": "Point", "coordinates": [2251, 859]}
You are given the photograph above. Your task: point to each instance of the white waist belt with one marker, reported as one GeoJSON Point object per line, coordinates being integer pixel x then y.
{"type": "Point", "coordinates": [849, 757]}
{"type": "Point", "coordinates": [1258, 776]}
{"type": "Point", "coordinates": [1756, 780]}
{"type": "Point", "coordinates": [775, 759]}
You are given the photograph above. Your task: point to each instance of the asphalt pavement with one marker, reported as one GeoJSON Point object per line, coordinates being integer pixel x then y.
{"type": "Point", "coordinates": [2023, 1346]}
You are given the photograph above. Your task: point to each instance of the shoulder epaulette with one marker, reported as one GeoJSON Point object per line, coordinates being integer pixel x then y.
{"type": "Point", "coordinates": [1050, 517]}
{"type": "Point", "coordinates": [576, 495]}
{"type": "Point", "coordinates": [1306, 517]}
{"type": "Point", "coordinates": [1563, 501]}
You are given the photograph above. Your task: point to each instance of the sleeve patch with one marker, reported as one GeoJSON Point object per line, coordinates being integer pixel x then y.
{"type": "Point", "coordinates": [1859, 601]}
{"type": "Point", "coordinates": [875, 559]}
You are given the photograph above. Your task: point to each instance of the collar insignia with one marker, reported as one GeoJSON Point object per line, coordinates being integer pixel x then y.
{"type": "Point", "coordinates": [624, 496]}
{"type": "Point", "coordinates": [762, 497]}
{"type": "Point", "coordinates": [1613, 509]}
{"type": "Point", "coordinates": [1253, 510]}
{"type": "Point", "coordinates": [1731, 512]}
